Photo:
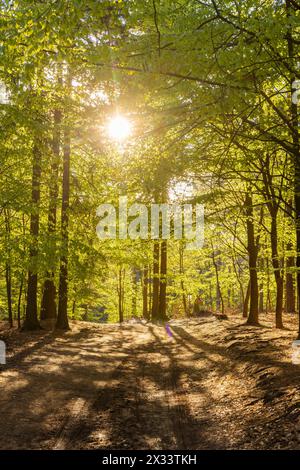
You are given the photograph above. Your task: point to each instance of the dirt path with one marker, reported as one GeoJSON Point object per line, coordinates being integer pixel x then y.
{"type": "Point", "coordinates": [212, 385]}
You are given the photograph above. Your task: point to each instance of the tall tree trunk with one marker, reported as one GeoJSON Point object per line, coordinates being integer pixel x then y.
{"type": "Point", "coordinates": [252, 254]}
{"type": "Point", "coordinates": [48, 305]}
{"type": "Point", "coordinates": [219, 291]}
{"type": "Point", "coordinates": [277, 271]}
{"type": "Point", "coordinates": [211, 300]}
{"type": "Point", "coordinates": [155, 290]}
{"type": "Point", "coordinates": [290, 301]}
{"type": "Point", "coordinates": [181, 271]}
{"type": "Point", "coordinates": [62, 322]}
{"type": "Point", "coordinates": [246, 301]}
{"type": "Point", "coordinates": [268, 299]}
{"type": "Point", "coordinates": [218, 295]}
{"type": "Point", "coordinates": [8, 293]}
{"type": "Point", "coordinates": [230, 292]}
{"type": "Point", "coordinates": [150, 291]}
{"type": "Point", "coordinates": [163, 281]}
{"type": "Point", "coordinates": [296, 149]}
{"type": "Point", "coordinates": [73, 308]}
{"type": "Point", "coordinates": [261, 288]}
{"type": "Point", "coordinates": [297, 215]}
{"type": "Point", "coordinates": [261, 298]}
{"type": "Point", "coordinates": [120, 295]}
{"type": "Point", "coordinates": [20, 301]}
{"type": "Point", "coordinates": [273, 206]}
{"type": "Point", "coordinates": [145, 294]}
{"type": "Point", "coordinates": [290, 298]}
{"type": "Point", "coordinates": [135, 291]}
{"type": "Point", "coordinates": [31, 317]}
{"type": "Point", "coordinates": [8, 268]}
{"type": "Point", "coordinates": [86, 311]}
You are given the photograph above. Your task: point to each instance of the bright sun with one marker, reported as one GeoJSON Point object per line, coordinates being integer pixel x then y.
{"type": "Point", "coordinates": [119, 128]}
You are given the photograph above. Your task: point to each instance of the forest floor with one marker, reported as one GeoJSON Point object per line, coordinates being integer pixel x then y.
{"type": "Point", "coordinates": [215, 384]}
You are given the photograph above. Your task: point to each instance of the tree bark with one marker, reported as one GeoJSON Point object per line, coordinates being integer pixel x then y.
{"type": "Point", "coordinates": [19, 302]}
{"type": "Point", "coordinates": [48, 304]}
{"type": "Point", "coordinates": [252, 253]}
{"type": "Point", "coordinates": [134, 292]}
{"type": "Point", "coordinates": [150, 292]}
{"type": "Point", "coordinates": [261, 298]}
{"type": "Point", "coordinates": [155, 290]}
{"type": "Point", "coordinates": [290, 298]}
{"type": "Point", "coordinates": [31, 317]}
{"type": "Point", "coordinates": [120, 295]}
{"type": "Point", "coordinates": [181, 270]}
{"type": "Point", "coordinates": [62, 322]}
{"type": "Point", "coordinates": [219, 292]}
{"type": "Point", "coordinates": [290, 301]}
{"type": "Point", "coordinates": [273, 207]}
{"type": "Point", "coordinates": [163, 281]}
{"type": "Point", "coordinates": [246, 301]}
{"type": "Point", "coordinates": [8, 268]}
{"type": "Point", "coordinates": [145, 294]}
{"type": "Point", "coordinates": [295, 152]}
{"type": "Point", "coordinates": [277, 272]}
{"type": "Point", "coordinates": [261, 287]}
{"type": "Point", "coordinates": [8, 294]}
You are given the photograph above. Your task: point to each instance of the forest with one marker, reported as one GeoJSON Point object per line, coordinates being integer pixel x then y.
{"type": "Point", "coordinates": [110, 110]}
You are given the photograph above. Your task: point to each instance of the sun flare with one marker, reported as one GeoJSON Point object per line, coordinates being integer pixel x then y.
{"type": "Point", "coordinates": [119, 128]}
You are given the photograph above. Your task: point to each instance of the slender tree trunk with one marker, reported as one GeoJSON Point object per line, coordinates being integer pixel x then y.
{"type": "Point", "coordinates": [163, 281]}
{"type": "Point", "coordinates": [261, 288]}
{"type": "Point", "coordinates": [8, 294]}
{"type": "Point", "coordinates": [86, 311]}
{"type": "Point", "coordinates": [290, 301]}
{"type": "Point", "coordinates": [135, 292]}
{"type": "Point", "coordinates": [268, 299]}
{"type": "Point", "coordinates": [290, 298]}
{"type": "Point", "coordinates": [296, 149]}
{"type": "Point", "coordinates": [20, 301]}
{"type": "Point", "coordinates": [120, 295]}
{"type": "Point", "coordinates": [181, 271]}
{"type": "Point", "coordinates": [62, 322]}
{"type": "Point", "coordinates": [273, 206]}
{"type": "Point", "coordinates": [145, 294]}
{"type": "Point", "coordinates": [155, 290]}
{"type": "Point", "coordinates": [261, 298]}
{"type": "Point", "coordinates": [219, 292]}
{"type": "Point", "coordinates": [252, 253]}
{"type": "Point", "coordinates": [277, 271]}
{"type": "Point", "coordinates": [297, 212]}
{"type": "Point", "coordinates": [229, 291]}
{"type": "Point", "coordinates": [48, 305]}
{"type": "Point", "coordinates": [150, 292]}
{"type": "Point", "coordinates": [218, 295]}
{"type": "Point", "coordinates": [8, 268]}
{"type": "Point", "coordinates": [31, 317]}
{"type": "Point", "coordinates": [246, 301]}
{"type": "Point", "coordinates": [211, 300]}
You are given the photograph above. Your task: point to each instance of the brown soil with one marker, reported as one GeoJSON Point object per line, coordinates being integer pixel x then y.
{"type": "Point", "coordinates": [215, 384]}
